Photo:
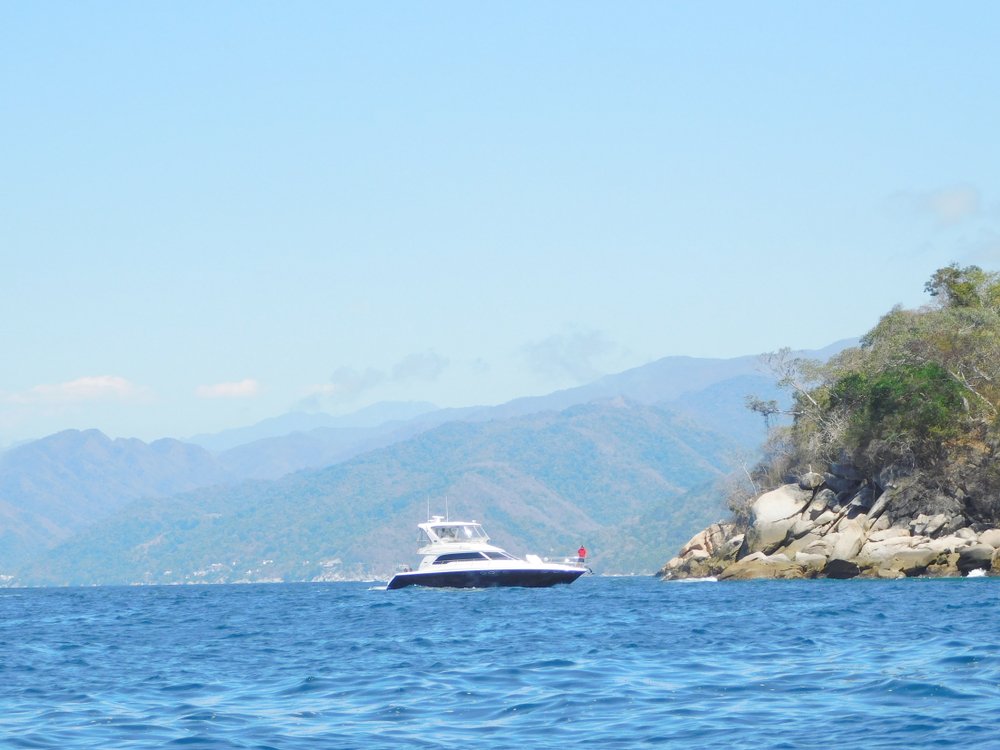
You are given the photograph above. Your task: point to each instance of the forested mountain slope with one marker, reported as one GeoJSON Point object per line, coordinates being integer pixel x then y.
{"type": "Point", "coordinates": [613, 475]}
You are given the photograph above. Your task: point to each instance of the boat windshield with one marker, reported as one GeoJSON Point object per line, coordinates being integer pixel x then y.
{"type": "Point", "coordinates": [499, 556]}
{"type": "Point", "coordinates": [458, 557]}
{"type": "Point", "coordinates": [466, 532]}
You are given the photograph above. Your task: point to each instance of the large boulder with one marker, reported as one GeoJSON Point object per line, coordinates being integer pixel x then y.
{"type": "Point", "coordinates": [839, 568]}
{"type": "Point", "coordinates": [706, 554]}
{"type": "Point", "coordinates": [912, 561]}
{"type": "Point", "coordinates": [950, 543]}
{"type": "Point", "coordinates": [710, 539]}
{"type": "Point", "coordinates": [990, 537]}
{"type": "Point", "coordinates": [773, 515]}
{"type": "Point", "coordinates": [930, 525]}
{"type": "Point", "coordinates": [882, 535]}
{"type": "Point", "coordinates": [847, 539]}
{"type": "Point", "coordinates": [758, 565]}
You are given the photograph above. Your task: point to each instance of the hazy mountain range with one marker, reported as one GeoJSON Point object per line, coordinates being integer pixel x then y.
{"type": "Point", "coordinates": [623, 463]}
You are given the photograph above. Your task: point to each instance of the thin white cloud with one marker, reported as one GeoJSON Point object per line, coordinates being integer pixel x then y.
{"type": "Point", "coordinates": [572, 354]}
{"type": "Point", "coordinates": [347, 384]}
{"type": "Point", "coordinates": [247, 388]}
{"type": "Point", "coordinates": [88, 388]}
{"type": "Point", "coordinates": [420, 366]}
{"type": "Point", "coordinates": [946, 207]}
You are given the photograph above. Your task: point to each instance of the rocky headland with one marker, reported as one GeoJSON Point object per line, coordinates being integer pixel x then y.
{"type": "Point", "coordinates": [904, 433]}
{"type": "Point", "coordinates": [841, 524]}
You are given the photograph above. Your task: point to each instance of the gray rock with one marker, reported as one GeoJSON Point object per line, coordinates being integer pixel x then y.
{"type": "Point", "coordinates": [935, 525]}
{"type": "Point", "coordinates": [975, 557]}
{"type": "Point", "coordinates": [891, 533]}
{"type": "Point", "coordinates": [810, 480]}
{"type": "Point", "coordinates": [879, 523]}
{"type": "Point", "coordinates": [850, 535]}
{"type": "Point", "coordinates": [710, 539]}
{"type": "Point", "coordinates": [880, 504]}
{"type": "Point", "coordinates": [990, 537]}
{"type": "Point", "coordinates": [947, 544]}
{"type": "Point", "coordinates": [761, 566]}
{"type": "Point", "coordinates": [809, 559]}
{"type": "Point", "coordinates": [838, 568]}
{"type": "Point", "coordinates": [705, 554]}
{"type": "Point", "coordinates": [946, 565]}
{"type": "Point", "coordinates": [821, 501]}
{"type": "Point", "coordinates": [824, 518]}
{"type": "Point", "coordinates": [954, 524]}
{"type": "Point", "coordinates": [918, 524]}
{"type": "Point", "coordinates": [773, 515]}
{"type": "Point", "coordinates": [800, 528]}
{"type": "Point", "coordinates": [863, 499]}
{"type": "Point", "coordinates": [912, 562]}
{"type": "Point", "coordinates": [819, 546]}
{"type": "Point", "coordinates": [805, 541]}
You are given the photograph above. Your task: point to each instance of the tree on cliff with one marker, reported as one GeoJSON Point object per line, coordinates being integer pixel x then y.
{"type": "Point", "coordinates": [921, 393]}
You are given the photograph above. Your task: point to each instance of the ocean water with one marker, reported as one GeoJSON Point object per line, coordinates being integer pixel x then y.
{"type": "Point", "coordinates": [604, 663]}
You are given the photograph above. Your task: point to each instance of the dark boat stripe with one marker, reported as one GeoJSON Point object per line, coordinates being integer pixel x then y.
{"type": "Point", "coordinates": [469, 579]}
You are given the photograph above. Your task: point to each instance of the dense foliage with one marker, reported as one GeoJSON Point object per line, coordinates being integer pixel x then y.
{"type": "Point", "coordinates": [920, 394]}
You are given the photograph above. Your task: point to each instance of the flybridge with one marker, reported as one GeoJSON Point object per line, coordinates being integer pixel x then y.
{"type": "Point", "coordinates": [440, 531]}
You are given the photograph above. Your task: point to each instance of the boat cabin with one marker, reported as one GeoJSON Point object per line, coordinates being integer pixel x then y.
{"type": "Point", "coordinates": [440, 531]}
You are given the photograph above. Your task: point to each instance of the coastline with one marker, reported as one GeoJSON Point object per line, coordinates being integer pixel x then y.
{"type": "Point", "coordinates": [807, 529]}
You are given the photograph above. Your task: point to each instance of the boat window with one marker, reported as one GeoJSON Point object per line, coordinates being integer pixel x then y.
{"type": "Point", "coordinates": [455, 556]}
{"type": "Point", "coordinates": [460, 533]}
{"type": "Point", "coordinates": [499, 556]}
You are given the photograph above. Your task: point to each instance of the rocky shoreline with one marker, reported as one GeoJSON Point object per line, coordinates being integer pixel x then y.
{"type": "Point", "coordinates": [841, 524]}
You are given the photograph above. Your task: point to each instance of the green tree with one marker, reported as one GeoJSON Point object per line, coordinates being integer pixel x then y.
{"type": "Point", "coordinates": [922, 388]}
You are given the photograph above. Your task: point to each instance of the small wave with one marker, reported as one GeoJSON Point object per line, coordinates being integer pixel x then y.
{"type": "Point", "coordinates": [620, 663]}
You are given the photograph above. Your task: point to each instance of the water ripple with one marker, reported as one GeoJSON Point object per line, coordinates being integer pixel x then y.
{"type": "Point", "coordinates": [611, 663]}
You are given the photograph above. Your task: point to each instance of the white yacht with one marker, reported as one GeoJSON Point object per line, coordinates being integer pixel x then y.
{"type": "Point", "coordinates": [458, 554]}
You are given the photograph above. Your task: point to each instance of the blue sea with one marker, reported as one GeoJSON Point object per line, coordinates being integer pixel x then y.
{"type": "Point", "coordinates": [604, 663]}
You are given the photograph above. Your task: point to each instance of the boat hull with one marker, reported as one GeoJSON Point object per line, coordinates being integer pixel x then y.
{"type": "Point", "coordinates": [481, 579]}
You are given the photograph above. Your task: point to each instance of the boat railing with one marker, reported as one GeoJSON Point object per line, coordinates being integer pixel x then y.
{"type": "Point", "coordinates": [578, 562]}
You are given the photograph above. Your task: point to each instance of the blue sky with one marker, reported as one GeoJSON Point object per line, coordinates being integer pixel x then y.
{"type": "Point", "coordinates": [217, 212]}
